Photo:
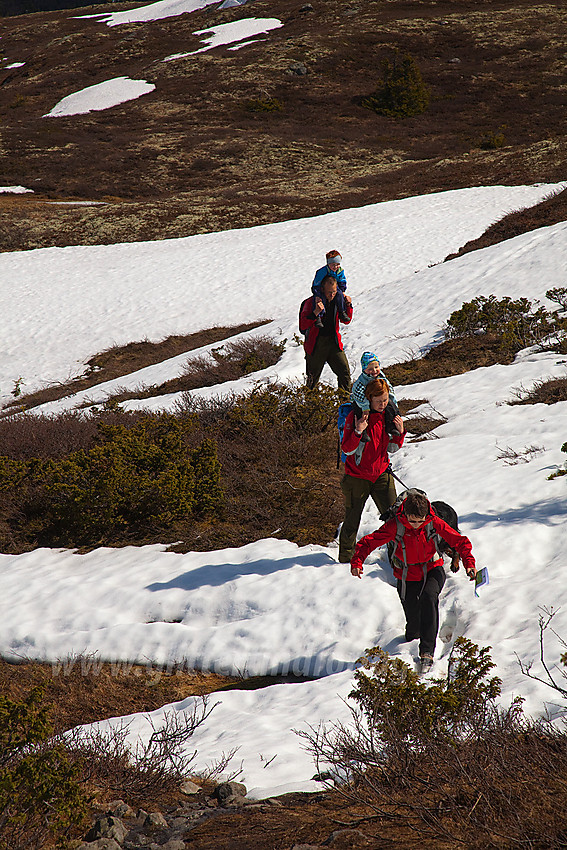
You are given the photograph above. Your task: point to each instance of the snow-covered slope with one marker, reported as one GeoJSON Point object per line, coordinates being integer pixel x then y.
{"type": "Point", "coordinates": [273, 607]}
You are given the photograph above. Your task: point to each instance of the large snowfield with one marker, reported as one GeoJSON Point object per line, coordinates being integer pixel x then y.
{"type": "Point", "coordinates": [273, 607]}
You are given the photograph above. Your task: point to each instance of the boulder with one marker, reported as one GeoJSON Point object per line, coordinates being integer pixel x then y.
{"type": "Point", "coordinates": [155, 820]}
{"type": "Point", "coordinates": [108, 826]}
{"type": "Point", "coordinates": [229, 789]}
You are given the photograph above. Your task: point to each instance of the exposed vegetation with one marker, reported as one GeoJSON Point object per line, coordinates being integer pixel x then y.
{"type": "Point", "coordinates": [443, 759]}
{"type": "Point", "coordinates": [123, 360]}
{"type": "Point", "coordinates": [224, 472]}
{"type": "Point", "coordinates": [227, 363]}
{"type": "Point", "coordinates": [41, 795]}
{"type": "Point", "coordinates": [549, 212]}
{"type": "Point", "coordinates": [518, 323]}
{"type": "Point", "coordinates": [402, 92]}
{"type": "Point", "coordinates": [48, 781]}
{"type": "Point", "coordinates": [264, 104]}
{"type": "Point", "coordinates": [136, 476]}
{"type": "Point", "coordinates": [548, 391]}
{"type": "Point", "coordinates": [222, 166]}
{"type": "Point", "coordinates": [558, 474]}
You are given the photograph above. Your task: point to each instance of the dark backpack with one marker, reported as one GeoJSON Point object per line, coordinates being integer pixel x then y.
{"type": "Point", "coordinates": [301, 306]}
{"type": "Point", "coordinates": [344, 410]}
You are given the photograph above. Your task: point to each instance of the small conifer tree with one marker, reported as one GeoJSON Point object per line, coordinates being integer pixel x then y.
{"type": "Point", "coordinates": [402, 92]}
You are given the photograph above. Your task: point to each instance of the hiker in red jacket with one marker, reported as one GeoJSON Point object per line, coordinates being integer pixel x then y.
{"type": "Point", "coordinates": [323, 342]}
{"type": "Point", "coordinates": [417, 566]}
{"type": "Point", "coordinates": [365, 444]}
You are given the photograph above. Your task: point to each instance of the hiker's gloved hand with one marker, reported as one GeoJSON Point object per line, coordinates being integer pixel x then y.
{"type": "Point", "coordinates": [471, 572]}
{"type": "Point", "coordinates": [356, 572]}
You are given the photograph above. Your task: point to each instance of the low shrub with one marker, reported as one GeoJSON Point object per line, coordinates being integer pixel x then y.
{"type": "Point", "coordinates": [233, 360]}
{"type": "Point", "coordinates": [398, 705]}
{"type": "Point", "coordinates": [220, 472]}
{"type": "Point", "coordinates": [133, 478]}
{"type": "Point", "coordinates": [518, 323]}
{"type": "Point", "coordinates": [442, 758]}
{"type": "Point", "coordinates": [559, 295]}
{"type": "Point", "coordinates": [492, 140]}
{"type": "Point", "coordinates": [264, 104]}
{"type": "Point", "coordinates": [41, 795]}
{"type": "Point", "coordinates": [402, 92]}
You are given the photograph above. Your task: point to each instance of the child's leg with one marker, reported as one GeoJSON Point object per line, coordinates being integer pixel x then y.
{"type": "Point", "coordinates": [317, 294]}
{"type": "Point", "coordinates": [340, 299]}
{"type": "Point", "coordinates": [358, 412]}
{"type": "Point", "coordinates": [389, 415]}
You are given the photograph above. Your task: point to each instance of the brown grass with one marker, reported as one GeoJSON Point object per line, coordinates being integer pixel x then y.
{"type": "Point", "coordinates": [227, 363]}
{"type": "Point", "coordinates": [125, 359]}
{"type": "Point", "coordinates": [84, 689]}
{"type": "Point", "coordinates": [551, 211]}
{"type": "Point", "coordinates": [544, 392]}
{"type": "Point", "coordinates": [450, 357]}
{"type": "Point", "coordinates": [190, 158]}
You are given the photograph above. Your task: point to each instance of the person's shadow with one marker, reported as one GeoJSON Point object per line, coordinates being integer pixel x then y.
{"type": "Point", "coordinates": [213, 575]}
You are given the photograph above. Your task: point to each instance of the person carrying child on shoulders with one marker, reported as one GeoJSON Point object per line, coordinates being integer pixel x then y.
{"type": "Point", "coordinates": [417, 566]}
{"type": "Point", "coordinates": [367, 465]}
{"type": "Point", "coordinates": [332, 268]}
{"type": "Point", "coordinates": [371, 370]}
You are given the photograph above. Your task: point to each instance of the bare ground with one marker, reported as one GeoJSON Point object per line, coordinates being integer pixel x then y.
{"type": "Point", "coordinates": [191, 157]}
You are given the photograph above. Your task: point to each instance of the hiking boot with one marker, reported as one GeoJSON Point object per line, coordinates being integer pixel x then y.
{"type": "Point", "coordinates": [425, 664]}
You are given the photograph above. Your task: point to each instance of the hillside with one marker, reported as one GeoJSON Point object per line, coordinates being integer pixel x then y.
{"type": "Point", "coordinates": [203, 152]}
{"type": "Point", "coordinates": [170, 502]}
{"type": "Point", "coordinates": [281, 606]}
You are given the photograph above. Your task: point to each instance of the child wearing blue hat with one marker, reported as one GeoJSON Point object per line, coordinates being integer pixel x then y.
{"type": "Point", "coordinates": [370, 371]}
{"type": "Point", "coordinates": [333, 269]}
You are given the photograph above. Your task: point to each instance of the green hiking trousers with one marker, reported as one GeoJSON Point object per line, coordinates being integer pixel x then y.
{"type": "Point", "coordinates": [327, 351]}
{"type": "Point", "coordinates": [356, 492]}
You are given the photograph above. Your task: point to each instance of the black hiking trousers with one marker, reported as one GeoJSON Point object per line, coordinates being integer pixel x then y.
{"type": "Point", "coordinates": [421, 607]}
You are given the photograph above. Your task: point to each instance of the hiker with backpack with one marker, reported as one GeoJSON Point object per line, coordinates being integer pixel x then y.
{"type": "Point", "coordinates": [333, 269]}
{"type": "Point", "coordinates": [370, 371]}
{"type": "Point", "coordinates": [323, 343]}
{"type": "Point", "coordinates": [367, 465]}
{"type": "Point", "coordinates": [417, 565]}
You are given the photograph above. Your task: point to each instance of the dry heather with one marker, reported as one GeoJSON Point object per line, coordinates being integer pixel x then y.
{"type": "Point", "coordinates": [193, 157]}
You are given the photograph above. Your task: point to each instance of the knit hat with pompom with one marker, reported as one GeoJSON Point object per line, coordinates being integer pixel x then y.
{"type": "Point", "coordinates": [367, 358]}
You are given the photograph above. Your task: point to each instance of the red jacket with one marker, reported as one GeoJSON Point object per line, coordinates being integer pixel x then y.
{"type": "Point", "coordinates": [307, 323]}
{"type": "Point", "coordinates": [419, 550]}
{"type": "Point", "coordinates": [374, 460]}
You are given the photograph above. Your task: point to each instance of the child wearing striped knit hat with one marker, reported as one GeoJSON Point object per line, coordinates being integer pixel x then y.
{"type": "Point", "coordinates": [370, 371]}
{"type": "Point", "coordinates": [332, 269]}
